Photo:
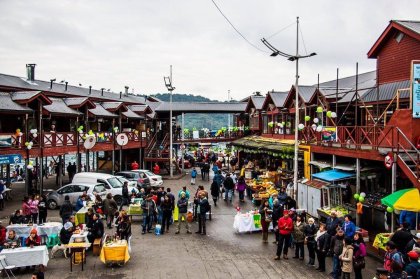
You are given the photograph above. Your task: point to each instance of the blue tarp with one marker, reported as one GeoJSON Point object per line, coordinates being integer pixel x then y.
{"type": "Point", "coordinates": [333, 175]}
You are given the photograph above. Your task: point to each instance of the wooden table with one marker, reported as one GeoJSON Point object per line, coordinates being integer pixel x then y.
{"type": "Point", "coordinates": [115, 252]}
{"type": "Point", "coordinates": [75, 249]}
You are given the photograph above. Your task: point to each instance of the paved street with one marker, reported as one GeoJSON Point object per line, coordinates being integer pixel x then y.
{"type": "Point", "coordinates": [220, 254]}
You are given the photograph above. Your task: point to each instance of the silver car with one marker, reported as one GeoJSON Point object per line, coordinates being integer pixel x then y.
{"type": "Point", "coordinates": [74, 190]}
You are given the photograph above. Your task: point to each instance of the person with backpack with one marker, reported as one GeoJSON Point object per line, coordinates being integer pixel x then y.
{"type": "Point", "coordinates": [393, 260]}
{"type": "Point", "coordinates": [193, 176]}
{"type": "Point", "coordinates": [346, 258]}
{"type": "Point", "coordinates": [202, 209]}
{"type": "Point", "coordinates": [359, 255]}
{"type": "Point", "coordinates": [229, 185]}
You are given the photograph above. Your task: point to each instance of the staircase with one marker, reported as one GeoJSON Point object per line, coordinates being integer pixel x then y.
{"type": "Point", "coordinates": [408, 158]}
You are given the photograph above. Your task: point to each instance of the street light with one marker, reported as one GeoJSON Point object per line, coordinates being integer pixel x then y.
{"type": "Point", "coordinates": [292, 58]}
{"type": "Point", "coordinates": [168, 84]}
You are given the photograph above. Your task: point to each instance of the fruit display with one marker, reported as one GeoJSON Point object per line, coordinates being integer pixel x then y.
{"type": "Point", "coordinates": [341, 211]}
{"type": "Point", "coordinates": [374, 200]}
{"type": "Point", "coordinates": [262, 188]}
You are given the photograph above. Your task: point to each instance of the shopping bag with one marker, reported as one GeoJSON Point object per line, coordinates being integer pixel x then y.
{"type": "Point", "coordinates": [257, 221]}
{"type": "Point", "coordinates": [158, 229]}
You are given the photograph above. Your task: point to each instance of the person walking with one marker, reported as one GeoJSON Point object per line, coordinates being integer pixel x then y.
{"type": "Point", "coordinates": [110, 208]}
{"type": "Point", "coordinates": [228, 185]}
{"type": "Point", "coordinates": [166, 207]}
{"type": "Point", "coordinates": [203, 208]}
{"type": "Point", "coordinates": [359, 255]}
{"type": "Point", "coordinates": [149, 208]}
{"type": "Point", "coordinates": [346, 258]}
{"type": "Point", "coordinates": [299, 238]}
{"type": "Point", "coordinates": [193, 176]}
{"type": "Point", "coordinates": [241, 187]}
{"type": "Point", "coordinates": [310, 233]}
{"type": "Point", "coordinates": [182, 216]}
{"type": "Point", "coordinates": [215, 190]}
{"type": "Point", "coordinates": [125, 195]}
{"type": "Point", "coordinates": [265, 213]}
{"type": "Point", "coordinates": [336, 248]}
{"type": "Point", "coordinates": [322, 239]}
{"type": "Point", "coordinates": [285, 225]}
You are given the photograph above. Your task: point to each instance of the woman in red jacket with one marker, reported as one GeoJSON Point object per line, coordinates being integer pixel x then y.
{"type": "Point", "coordinates": [285, 226]}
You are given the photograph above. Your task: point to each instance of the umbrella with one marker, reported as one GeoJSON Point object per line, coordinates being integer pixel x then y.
{"type": "Point", "coordinates": [407, 199]}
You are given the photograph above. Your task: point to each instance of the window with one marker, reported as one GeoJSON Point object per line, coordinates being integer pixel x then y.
{"type": "Point", "coordinates": [104, 183]}
{"type": "Point", "coordinates": [114, 182]}
{"type": "Point", "coordinates": [99, 188]}
{"type": "Point", "coordinates": [399, 36]}
{"type": "Point", "coordinates": [66, 190]}
{"type": "Point", "coordinates": [80, 188]}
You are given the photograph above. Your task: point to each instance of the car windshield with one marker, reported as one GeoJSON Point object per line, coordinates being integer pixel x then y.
{"type": "Point", "coordinates": [149, 173]}
{"type": "Point", "coordinates": [114, 182]}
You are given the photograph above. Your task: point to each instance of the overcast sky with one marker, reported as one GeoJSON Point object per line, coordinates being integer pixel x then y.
{"type": "Point", "coordinates": [111, 44]}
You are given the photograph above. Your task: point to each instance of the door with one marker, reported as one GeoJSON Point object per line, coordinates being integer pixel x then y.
{"type": "Point", "coordinates": [314, 200]}
{"type": "Point", "coordinates": [63, 192]}
{"type": "Point", "coordinates": [303, 196]}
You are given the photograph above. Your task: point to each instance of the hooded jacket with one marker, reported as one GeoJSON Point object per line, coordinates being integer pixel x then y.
{"type": "Point", "coordinates": [347, 259]}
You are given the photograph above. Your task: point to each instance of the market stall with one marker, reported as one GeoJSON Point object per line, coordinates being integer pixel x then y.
{"type": "Point", "coordinates": [248, 222]}
{"type": "Point", "coordinates": [26, 256]}
{"type": "Point", "coordinates": [115, 251]}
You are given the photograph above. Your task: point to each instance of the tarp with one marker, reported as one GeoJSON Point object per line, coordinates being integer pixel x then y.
{"type": "Point", "coordinates": [333, 175]}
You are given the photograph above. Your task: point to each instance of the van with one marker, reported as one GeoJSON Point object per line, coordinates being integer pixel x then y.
{"type": "Point", "coordinates": [111, 182]}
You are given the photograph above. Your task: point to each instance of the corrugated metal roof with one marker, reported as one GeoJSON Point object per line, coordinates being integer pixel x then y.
{"type": "Point", "coordinates": [140, 108]}
{"type": "Point", "coordinates": [76, 101]}
{"type": "Point", "coordinates": [101, 112]}
{"type": "Point", "coordinates": [306, 92]}
{"type": "Point", "coordinates": [59, 107]}
{"type": "Point", "coordinates": [365, 80]}
{"type": "Point", "coordinates": [112, 106]}
{"type": "Point", "coordinates": [202, 107]}
{"type": "Point", "coordinates": [278, 98]}
{"type": "Point", "coordinates": [7, 105]}
{"type": "Point", "coordinates": [387, 91]}
{"type": "Point", "coordinates": [131, 114]}
{"type": "Point", "coordinates": [258, 101]}
{"type": "Point", "coordinates": [410, 24]}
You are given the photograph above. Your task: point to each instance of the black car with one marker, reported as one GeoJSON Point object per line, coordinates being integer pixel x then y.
{"type": "Point", "coordinates": [142, 180]}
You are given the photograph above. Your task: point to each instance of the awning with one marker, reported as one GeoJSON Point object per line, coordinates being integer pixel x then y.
{"type": "Point", "coordinates": [131, 114]}
{"type": "Point", "coordinates": [59, 107]}
{"type": "Point", "coordinates": [345, 167]}
{"type": "Point", "coordinates": [333, 175]}
{"type": "Point", "coordinates": [319, 164]}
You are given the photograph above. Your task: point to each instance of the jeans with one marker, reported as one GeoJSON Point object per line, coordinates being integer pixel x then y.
{"type": "Point", "coordinates": [166, 218]}
{"type": "Point", "coordinates": [241, 195]}
{"type": "Point", "coordinates": [202, 223]}
{"type": "Point", "coordinates": [160, 215]}
{"type": "Point", "coordinates": [346, 275]}
{"type": "Point", "coordinates": [336, 267]}
{"type": "Point", "coordinates": [109, 219]}
{"type": "Point", "coordinates": [147, 223]}
{"type": "Point", "coordinates": [193, 180]}
{"type": "Point", "coordinates": [321, 259]}
{"type": "Point", "coordinates": [228, 194]}
{"type": "Point", "coordinates": [283, 245]}
{"type": "Point", "coordinates": [299, 250]}
{"type": "Point", "coordinates": [358, 274]}
{"type": "Point", "coordinates": [42, 218]}
{"type": "Point", "coordinates": [180, 217]}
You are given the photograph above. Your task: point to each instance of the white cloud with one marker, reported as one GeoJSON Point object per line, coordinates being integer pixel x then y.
{"type": "Point", "coordinates": [114, 43]}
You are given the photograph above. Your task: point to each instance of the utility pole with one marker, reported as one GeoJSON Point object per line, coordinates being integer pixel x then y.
{"type": "Point", "coordinates": [168, 84]}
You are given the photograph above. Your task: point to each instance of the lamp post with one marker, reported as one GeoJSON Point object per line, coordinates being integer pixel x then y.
{"type": "Point", "coordinates": [292, 58]}
{"type": "Point", "coordinates": [168, 84]}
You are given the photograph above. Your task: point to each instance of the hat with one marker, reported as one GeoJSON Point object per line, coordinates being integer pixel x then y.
{"type": "Point", "coordinates": [68, 225]}
{"type": "Point", "coordinates": [34, 231]}
{"type": "Point", "coordinates": [413, 255]}
{"type": "Point", "coordinates": [417, 236]}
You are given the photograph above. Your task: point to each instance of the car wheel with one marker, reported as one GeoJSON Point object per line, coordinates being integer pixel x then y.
{"type": "Point", "coordinates": [52, 204]}
{"type": "Point", "coordinates": [118, 199]}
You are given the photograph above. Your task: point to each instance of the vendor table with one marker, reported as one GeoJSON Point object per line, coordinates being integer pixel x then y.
{"type": "Point", "coordinates": [134, 210]}
{"type": "Point", "coordinates": [80, 216]}
{"type": "Point", "coordinates": [136, 201]}
{"type": "Point", "coordinates": [48, 231]}
{"type": "Point", "coordinates": [77, 253]}
{"type": "Point", "coordinates": [248, 222]}
{"type": "Point", "coordinates": [82, 235]}
{"type": "Point", "coordinates": [26, 256]}
{"type": "Point", "coordinates": [115, 252]}
{"type": "Point", "coordinates": [380, 240]}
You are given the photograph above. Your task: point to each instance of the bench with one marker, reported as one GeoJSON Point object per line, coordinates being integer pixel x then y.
{"type": "Point", "coordinates": [97, 246]}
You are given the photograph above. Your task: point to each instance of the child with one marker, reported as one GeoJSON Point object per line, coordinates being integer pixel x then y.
{"type": "Point", "coordinates": [193, 176]}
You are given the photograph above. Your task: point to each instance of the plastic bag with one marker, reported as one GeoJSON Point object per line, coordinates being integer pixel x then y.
{"type": "Point", "coordinates": [158, 229]}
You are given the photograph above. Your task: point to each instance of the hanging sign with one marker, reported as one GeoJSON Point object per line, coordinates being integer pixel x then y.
{"type": "Point", "coordinates": [10, 159]}
{"type": "Point", "coordinates": [389, 160]}
{"type": "Point", "coordinates": [122, 139]}
{"type": "Point", "coordinates": [415, 88]}
{"type": "Point", "coordinates": [89, 142]}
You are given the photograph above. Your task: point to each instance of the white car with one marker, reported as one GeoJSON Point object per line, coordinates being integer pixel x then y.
{"type": "Point", "coordinates": [131, 184]}
{"type": "Point", "coordinates": [155, 180]}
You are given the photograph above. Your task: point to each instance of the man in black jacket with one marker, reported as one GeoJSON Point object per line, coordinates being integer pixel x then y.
{"type": "Point", "coordinates": [322, 239]}
{"type": "Point", "coordinates": [203, 208]}
{"type": "Point", "coordinates": [402, 237]}
{"type": "Point", "coordinates": [125, 195]}
{"type": "Point", "coordinates": [229, 185]}
{"type": "Point", "coordinates": [333, 223]}
{"type": "Point", "coordinates": [97, 230]}
{"type": "Point", "coordinates": [66, 210]}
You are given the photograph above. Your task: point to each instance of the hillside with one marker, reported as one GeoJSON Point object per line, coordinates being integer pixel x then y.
{"type": "Point", "coordinates": [198, 120]}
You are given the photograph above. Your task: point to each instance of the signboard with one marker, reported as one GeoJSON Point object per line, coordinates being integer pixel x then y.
{"type": "Point", "coordinates": [415, 88]}
{"type": "Point", "coordinates": [10, 159]}
{"type": "Point", "coordinates": [5, 141]}
{"type": "Point", "coordinates": [389, 160]}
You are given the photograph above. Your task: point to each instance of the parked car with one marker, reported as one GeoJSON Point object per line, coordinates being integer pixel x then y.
{"type": "Point", "coordinates": [155, 180]}
{"type": "Point", "coordinates": [140, 178]}
{"type": "Point", "coordinates": [74, 190]}
{"type": "Point", "coordinates": [131, 184]}
{"type": "Point", "coordinates": [111, 182]}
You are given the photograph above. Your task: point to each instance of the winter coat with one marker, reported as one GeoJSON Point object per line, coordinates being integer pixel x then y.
{"type": "Point", "coordinates": [125, 193]}
{"type": "Point", "coordinates": [194, 174]}
{"type": "Point", "coordinates": [149, 207]}
{"type": "Point", "coordinates": [347, 259]}
{"type": "Point", "coordinates": [241, 186]}
{"type": "Point", "coordinates": [299, 232]}
{"type": "Point", "coordinates": [26, 209]}
{"type": "Point", "coordinates": [89, 220]}
{"type": "Point", "coordinates": [349, 229]}
{"type": "Point", "coordinates": [110, 207]}
{"type": "Point", "coordinates": [337, 245]}
{"type": "Point", "coordinates": [228, 183]}
{"type": "Point", "coordinates": [166, 206]}
{"type": "Point", "coordinates": [42, 207]}
{"type": "Point", "coordinates": [203, 205]}
{"type": "Point", "coordinates": [332, 225]}
{"type": "Point", "coordinates": [323, 243]}
{"type": "Point", "coordinates": [79, 204]}
{"type": "Point", "coordinates": [310, 232]}
{"type": "Point", "coordinates": [66, 210]}
{"type": "Point", "coordinates": [285, 225]}
{"type": "Point", "coordinates": [65, 236]}
{"type": "Point", "coordinates": [34, 206]}
{"type": "Point", "coordinates": [282, 197]}
{"type": "Point", "coordinates": [218, 178]}
{"type": "Point", "coordinates": [97, 230]}
{"type": "Point", "coordinates": [277, 213]}
{"type": "Point", "coordinates": [215, 189]}
{"type": "Point", "coordinates": [401, 238]}
{"type": "Point", "coordinates": [182, 205]}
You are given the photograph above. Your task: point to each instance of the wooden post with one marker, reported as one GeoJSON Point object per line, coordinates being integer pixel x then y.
{"type": "Point", "coordinates": [357, 186]}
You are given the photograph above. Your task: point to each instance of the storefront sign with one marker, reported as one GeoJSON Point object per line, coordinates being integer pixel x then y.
{"type": "Point", "coordinates": [415, 89]}
{"type": "Point", "coordinates": [10, 159]}
{"type": "Point", "coordinates": [5, 141]}
{"type": "Point", "coordinates": [389, 160]}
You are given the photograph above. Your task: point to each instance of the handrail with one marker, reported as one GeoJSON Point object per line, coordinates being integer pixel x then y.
{"type": "Point", "coordinates": [405, 137]}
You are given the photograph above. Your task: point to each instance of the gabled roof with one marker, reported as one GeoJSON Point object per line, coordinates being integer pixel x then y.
{"type": "Point", "coordinates": [408, 27]}
{"type": "Point", "coordinates": [59, 107]}
{"type": "Point", "coordinates": [202, 107]}
{"type": "Point", "coordinates": [256, 102]}
{"type": "Point", "coordinates": [387, 91]}
{"type": "Point", "coordinates": [131, 114]}
{"type": "Point", "coordinates": [101, 112]}
{"type": "Point", "coordinates": [142, 109]}
{"type": "Point", "coordinates": [114, 106]}
{"type": "Point", "coordinates": [277, 98]}
{"type": "Point", "coordinates": [24, 97]}
{"type": "Point", "coordinates": [78, 102]}
{"type": "Point", "coordinates": [305, 93]}
{"type": "Point", "coordinates": [7, 105]}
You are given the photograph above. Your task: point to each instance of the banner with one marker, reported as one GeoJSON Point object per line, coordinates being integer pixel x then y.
{"type": "Point", "coordinates": [10, 159]}
{"type": "Point", "coordinates": [415, 89]}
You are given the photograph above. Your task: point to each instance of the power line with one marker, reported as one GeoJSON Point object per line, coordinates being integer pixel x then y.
{"type": "Point", "coordinates": [284, 28]}
{"type": "Point", "coordinates": [237, 31]}
{"type": "Point", "coordinates": [303, 41]}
